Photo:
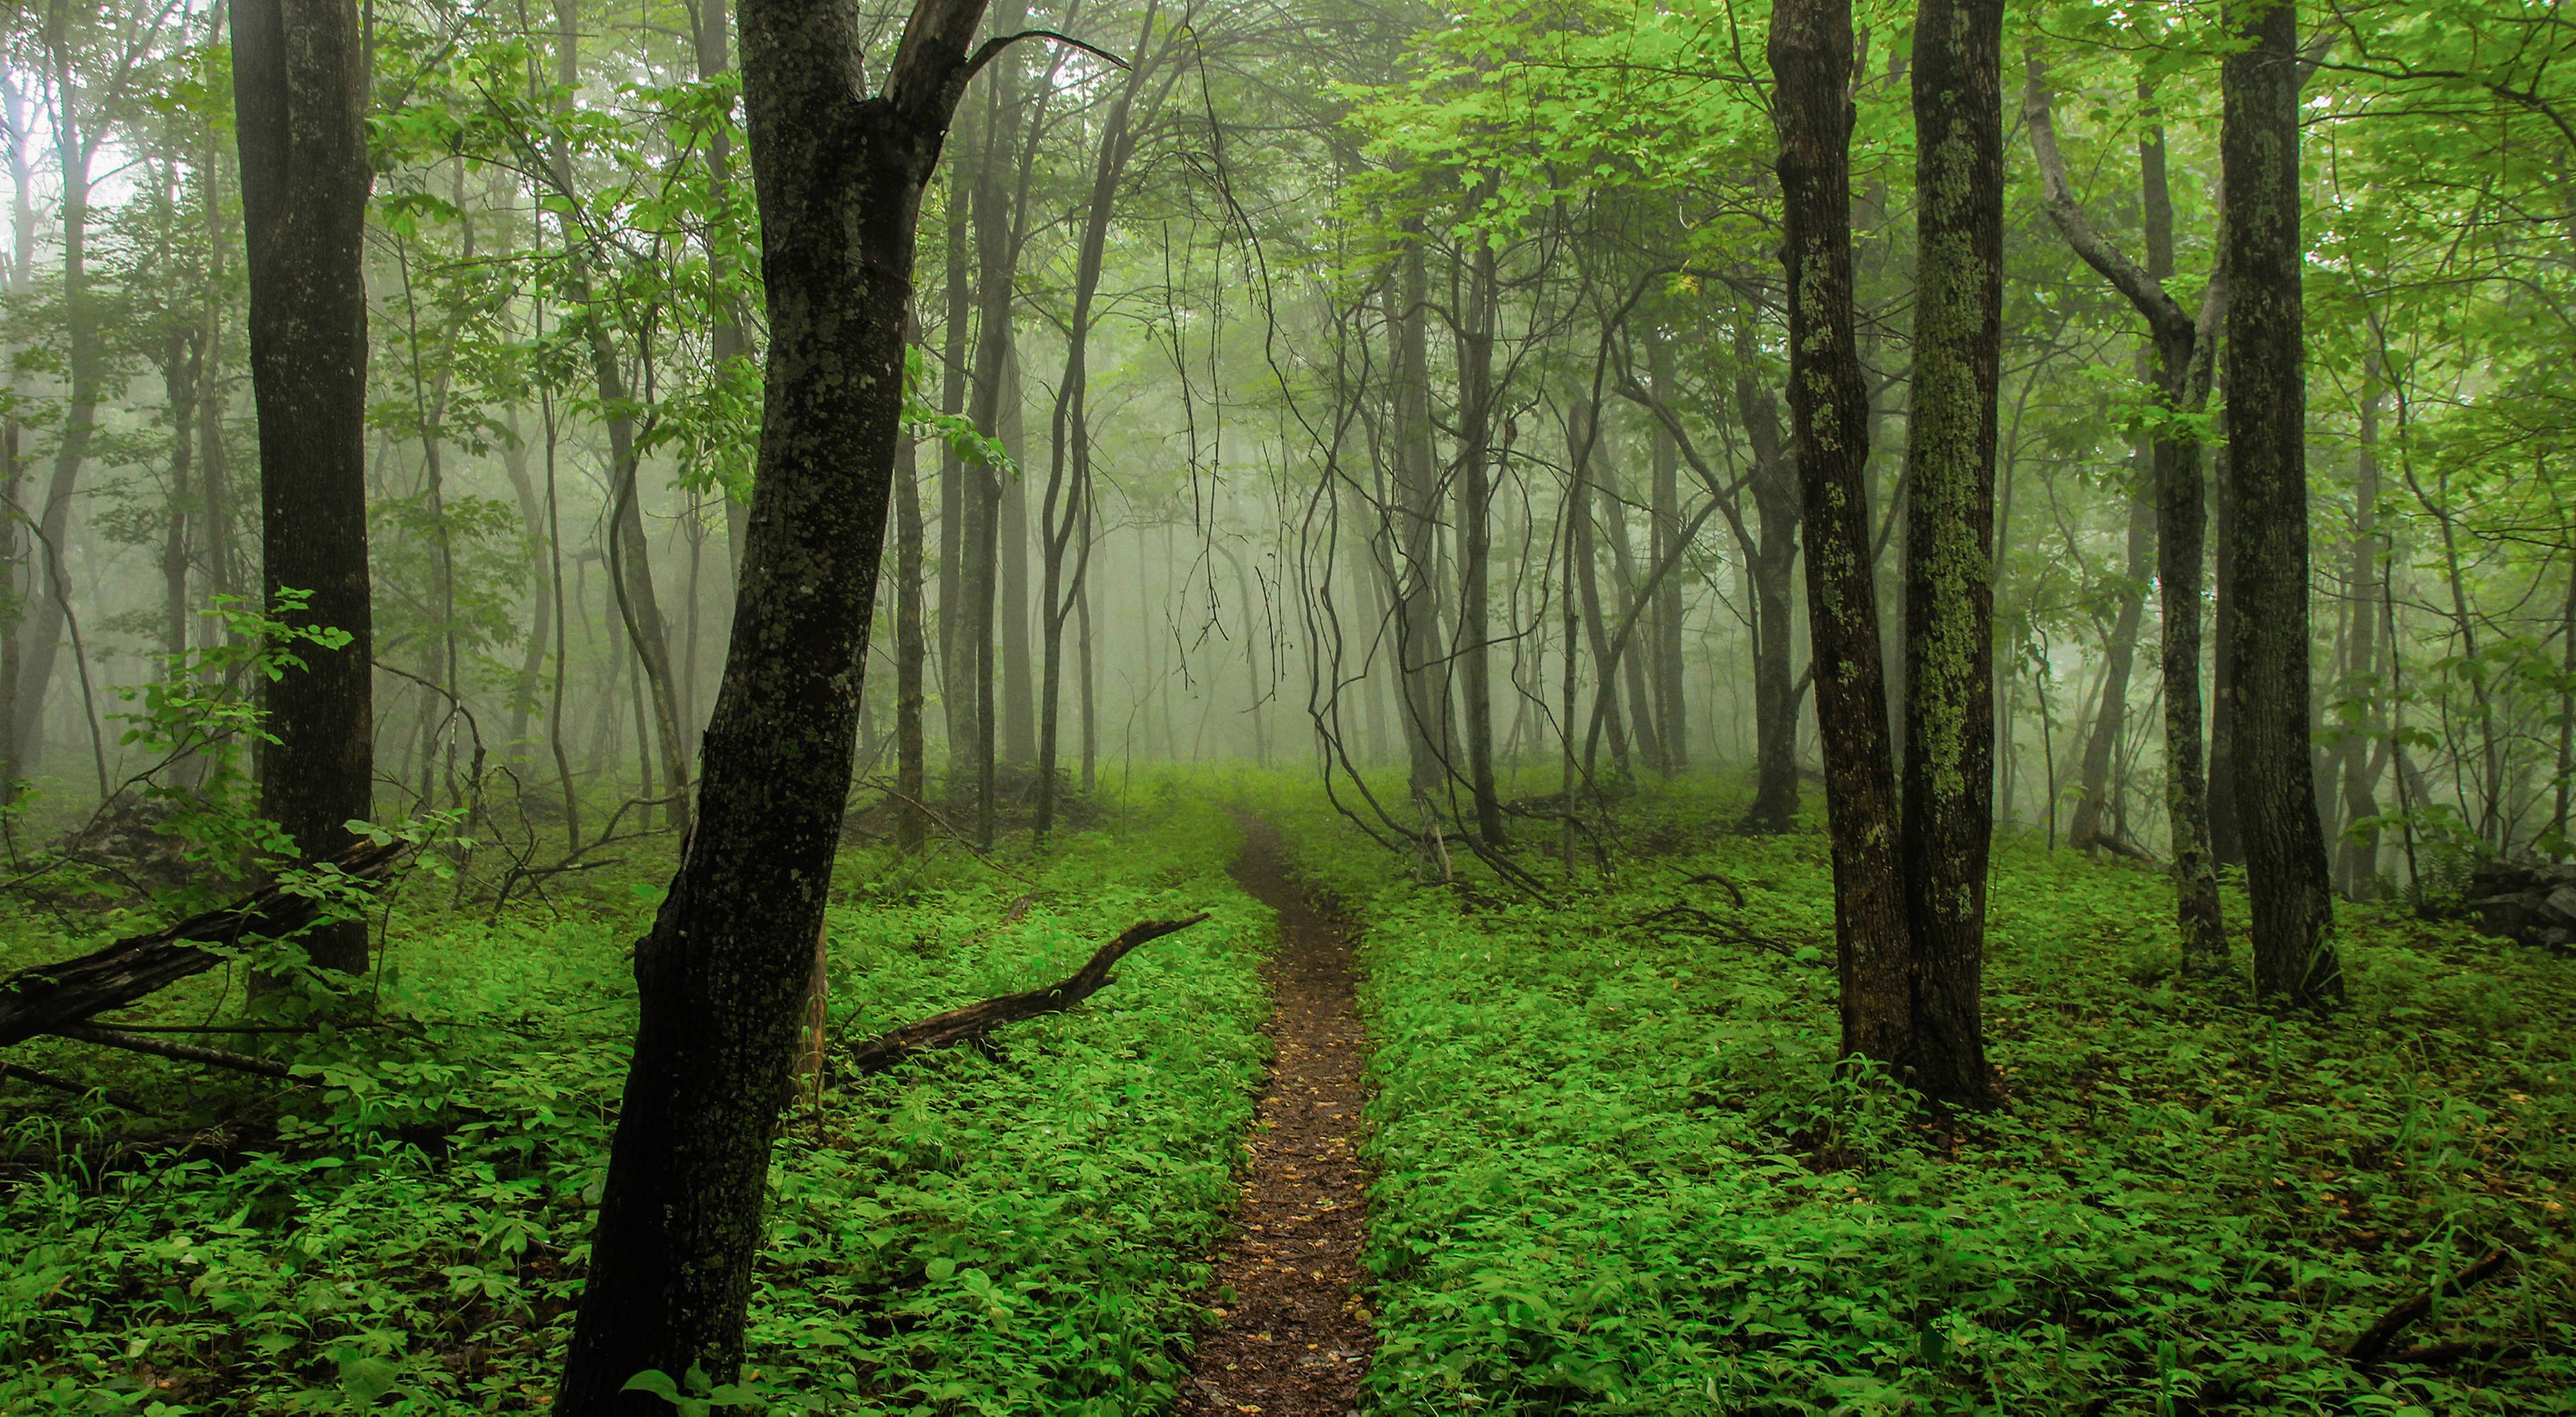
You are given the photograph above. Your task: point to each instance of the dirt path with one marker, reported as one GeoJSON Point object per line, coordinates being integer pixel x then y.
{"type": "Point", "coordinates": [1293, 1339]}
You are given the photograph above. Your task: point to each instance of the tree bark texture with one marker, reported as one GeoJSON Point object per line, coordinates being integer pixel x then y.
{"type": "Point", "coordinates": [2286, 881]}
{"type": "Point", "coordinates": [299, 96]}
{"type": "Point", "coordinates": [721, 977]}
{"type": "Point", "coordinates": [1811, 62]}
{"type": "Point", "coordinates": [1772, 571]}
{"type": "Point", "coordinates": [1950, 510]}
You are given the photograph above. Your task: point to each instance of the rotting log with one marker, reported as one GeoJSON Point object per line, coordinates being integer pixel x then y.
{"type": "Point", "coordinates": [50, 998]}
{"type": "Point", "coordinates": [975, 1020]}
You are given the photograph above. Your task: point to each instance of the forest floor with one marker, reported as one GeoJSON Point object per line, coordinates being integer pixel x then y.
{"type": "Point", "coordinates": [1584, 1154]}
{"type": "Point", "coordinates": [1289, 1333]}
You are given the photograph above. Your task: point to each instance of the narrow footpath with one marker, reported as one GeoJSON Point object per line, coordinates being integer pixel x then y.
{"type": "Point", "coordinates": [1290, 1331]}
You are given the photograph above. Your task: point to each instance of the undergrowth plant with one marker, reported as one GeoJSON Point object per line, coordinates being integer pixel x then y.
{"type": "Point", "coordinates": [1619, 1169]}
{"type": "Point", "coordinates": [1009, 1230]}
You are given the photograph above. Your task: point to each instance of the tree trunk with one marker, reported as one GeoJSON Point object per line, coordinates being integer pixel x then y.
{"type": "Point", "coordinates": [726, 342]}
{"type": "Point", "coordinates": [2119, 655]}
{"type": "Point", "coordinates": [17, 569]}
{"type": "Point", "coordinates": [2183, 363]}
{"type": "Point", "coordinates": [1011, 541]}
{"type": "Point", "coordinates": [2226, 821]}
{"type": "Point", "coordinates": [183, 358]}
{"type": "Point", "coordinates": [1811, 63]}
{"type": "Point", "coordinates": [85, 360]}
{"type": "Point", "coordinates": [1065, 512]}
{"type": "Point", "coordinates": [721, 976]}
{"type": "Point", "coordinates": [1422, 676]}
{"type": "Point", "coordinates": [1771, 570]}
{"type": "Point", "coordinates": [911, 825]}
{"type": "Point", "coordinates": [299, 97]}
{"type": "Point", "coordinates": [1582, 536]}
{"type": "Point", "coordinates": [2359, 851]}
{"type": "Point", "coordinates": [629, 553]}
{"type": "Point", "coordinates": [2267, 491]}
{"type": "Point", "coordinates": [1950, 507]}
{"type": "Point", "coordinates": [956, 490]}
{"type": "Point", "coordinates": [1475, 537]}
{"type": "Point", "coordinates": [1631, 667]}
{"type": "Point", "coordinates": [1672, 713]}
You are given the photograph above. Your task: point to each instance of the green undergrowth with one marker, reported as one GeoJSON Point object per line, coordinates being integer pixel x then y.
{"type": "Point", "coordinates": [1618, 1172]}
{"type": "Point", "coordinates": [1010, 1230]}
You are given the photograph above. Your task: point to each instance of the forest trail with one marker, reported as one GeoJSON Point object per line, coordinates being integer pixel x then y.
{"type": "Point", "coordinates": [1295, 1339]}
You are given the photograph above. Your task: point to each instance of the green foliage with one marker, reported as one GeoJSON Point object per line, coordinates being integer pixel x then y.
{"type": "Point", "coordinates": [195, 725]}
{"type": "Point", "coordinates": [1619, 1172]}
{"type": "Point", "coordinates": [1011, 1231]}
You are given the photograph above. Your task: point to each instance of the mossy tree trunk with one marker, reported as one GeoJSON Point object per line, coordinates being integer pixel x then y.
{"type": "Point", "coordinates": [1950, 507]}
{"type": "Point", "coordinates": [1811, 62]}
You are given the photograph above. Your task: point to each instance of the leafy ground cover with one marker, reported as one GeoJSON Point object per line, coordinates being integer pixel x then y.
{"type": "Point", "coordinates": [1617, 1170]}
{"type": "Point", "coordinates": [1014, 1230]}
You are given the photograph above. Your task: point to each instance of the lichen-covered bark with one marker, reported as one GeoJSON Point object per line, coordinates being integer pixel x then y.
{"type": "Point", "coordinates": [2286, 881]}
{"type": "Point", "coordinates": [722, 977]}
{"type": "Point", "coordinates": [1949, 564]}
{"type": "Point", "coordinates": [299, 93]}
{"type": "Point", "coordinates": [1811, 62]}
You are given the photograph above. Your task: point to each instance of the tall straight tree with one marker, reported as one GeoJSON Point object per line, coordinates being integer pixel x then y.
{"type": "Point", "coordinates": [2287, 887]}
{"type": "Point", "coordinates": [1949, 533]}
{"type": "Point", "coordinates": [838, 172]}
{"type": "Point", "coordinates": [1772, 557]}
{"type": "Point", "coordinates": [1475, 535]}
{"type": "Point", "coordinates": [1811, 64]}
{"type": "Point", "coordinates": [299, 99]}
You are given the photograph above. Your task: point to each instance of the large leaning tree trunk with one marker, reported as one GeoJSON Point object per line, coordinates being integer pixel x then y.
{"type": "Point", "coordinates": [1950, 513]}
{"type": "Point", "coordinates": [1811, 62]}
{"type": "Point", "coordinates": [299, 96]}
{"type": "Point", "coordinates": [721, 978]}
{"type": "Point", "coordinates": [2287, 888]}
{"type": "Point", "coordinates": [2184, 347]}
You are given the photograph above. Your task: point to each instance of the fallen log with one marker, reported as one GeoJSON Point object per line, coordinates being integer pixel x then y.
{"type": "Point", "coordinates": [182, 1052]}
{"type": "Point", "coordinates": [50, 998]}
{"type": "Point", "coordinates": [2369, 1349]}
{"type": "Point", "coordinates": [22, 1073]}
{"type": "Point", "coordinates": [975, 1020]}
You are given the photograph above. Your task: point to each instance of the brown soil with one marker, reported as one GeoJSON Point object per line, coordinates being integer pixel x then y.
{"type": "Point", "coordinates": [1290, 1336]}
